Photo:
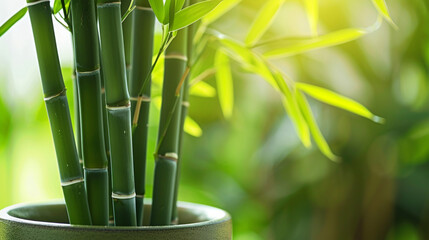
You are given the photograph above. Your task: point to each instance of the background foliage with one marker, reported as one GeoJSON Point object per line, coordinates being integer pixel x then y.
{"type": "Point", "coordinates": [252, 163]}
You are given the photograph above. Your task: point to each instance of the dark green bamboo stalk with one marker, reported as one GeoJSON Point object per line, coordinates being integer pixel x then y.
{"type": "Point", "coordinates": [141, 62]}
{"type": "Point", "coordinates": [127, 34]}
{"type": "Point", "coordinates": [118, 112]}
{"type": "Point", "coordinates": [168, 135]}
{"type": "Point", "coordinates": [184, 112]}
{"type": "Point", "coordinates": [86, 48]}
{"type": "Point", "coordinates": [58, 112]}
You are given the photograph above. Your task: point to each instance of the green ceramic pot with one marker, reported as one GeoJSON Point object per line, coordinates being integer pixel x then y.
{"type": "Point", "coordinates": [48, 221]}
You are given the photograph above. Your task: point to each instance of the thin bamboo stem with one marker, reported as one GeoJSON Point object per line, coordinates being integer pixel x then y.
{"type": "Point", "coordinates": [141, 62]}
{"type": "Point", "coordinates": [86, 48]}
{"type": "Point", "coordinates": [58, 112]}
{"type": "Point", "coordinates": [127, 34]}
{"type": "Point", "coordinates": [118, 112]}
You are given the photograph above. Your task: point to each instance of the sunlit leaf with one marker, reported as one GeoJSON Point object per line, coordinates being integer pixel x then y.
{"type": "Point", "coordinates": [11, 21]}
{"type": "Point", "coordinates": [158, 8]}
{"type": "Point", "coordinates": [219, 11]}
{"type": "Point", "coordinates": [225, 90]}
{"type": "Point", "coordinates": [312, 8]}
{"type": "Point", "coordinates": [250, 59]}
{"type": "Point", "coordinates": [381, 7]}
{"type": "Point", "coordinates": [169, 11]}
{"type": "Point", "coordinates": [337, 100]}
{"type": "Point", "coordinates": [314, 128]}
{"type": "Point", "coordinates": [328, 40]}
{"type": "Point", "coordinates": [180, 4]}
{"type": "Point", "coordinates": [192, 128]}
{"type": "Point", "coordinates": [58, 6]}
{"type": "Point", "coordinates": [202, 89]}
{"type": "Point", "coordinates": [293, 111]}
{"type": "Point", "coordinates": [263, 21]}
{"type": "Point", "coordinates": [193, 13]}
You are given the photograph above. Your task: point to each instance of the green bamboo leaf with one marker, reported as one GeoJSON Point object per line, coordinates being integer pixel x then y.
{"type": "Point", "coordinates": [314, 128]}
{"type": "Point", "coordinates": [11, 21]}
{"type": "Point", "coordinates": [328, 40]}
{"type": "Point", "coordinates": [192, 128]}
{"type": "Point", "coordinates": [337, 100]}
{"type": "Point", "coordinates": [193, 13]}
{"type": "Point", "coordinates": [249, 59]}
{"type": "Point", "coordinates": [219, 11]}
{"type": "Point", "coordinates": [179, 4]}
{"type": "Point", "coordinates": [224, 83]}
{"type": "Point", "coordinates": [158, 8]}
{"type": "Point", "coordinates": [381, 7]}
{"type": "Point", "coordinates": [169, 12]}
{"type": "Point", "coordinates": [58, 6]}
{"type": "Point", "coordinates": [292, 109]}
{"type": "Point", "coordinates": [312, 8]}
{"type": "Point", "coordinates": [263, 21]}
{"type": "Point", "coordinates": [202, 89]}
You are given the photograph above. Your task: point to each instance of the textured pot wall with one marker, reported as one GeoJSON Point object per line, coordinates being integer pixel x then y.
{"type": "Point", "coordinates": [49, 221]}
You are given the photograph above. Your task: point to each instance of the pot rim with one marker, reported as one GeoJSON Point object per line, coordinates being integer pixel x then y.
{"type": "Point", "coordinates": [215, 215]}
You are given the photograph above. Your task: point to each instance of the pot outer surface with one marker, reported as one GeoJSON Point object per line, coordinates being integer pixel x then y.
{"type": "Point", "coordinates": [48, 221]}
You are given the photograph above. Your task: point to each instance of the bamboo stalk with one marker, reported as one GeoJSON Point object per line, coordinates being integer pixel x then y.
{"type": "Point", "coordinates": [141, 62]}
{"type": "Point", "coordinates": [58, 112]}
{"type": "Point", "coordinates": [127, 34]}
{"type": "Point", "coordinates": [168, 135]}
{"type": "Point", "coordinates": [86, 48]}
{"type": "Point", "coordinates": [184, 112]}
{"type": "Point", "coordinates": [118, 113]}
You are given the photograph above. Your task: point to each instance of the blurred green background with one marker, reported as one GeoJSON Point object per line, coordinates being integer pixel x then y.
{"type": "Point", "coordinates": [253, 165]}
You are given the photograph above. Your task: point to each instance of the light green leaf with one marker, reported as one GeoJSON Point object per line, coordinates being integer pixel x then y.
{"type": "Point", "coordinates": [192, 128]}
{"type": "Point", "coordinates": [312, 8]}
{"type": "Point", "coordinates": [169, 12]}
{"type": "Point", "coordinates": [202, 89]}
{"type": "Point", "coordinates": [219, 11]}
{"type": "Point", "coordinates": [11, 21]}
{"type": "Point", "coordinates": [292, 109]}
{"type": "Point", "coordinates": [249, 59]}
{"type": "Point", "coordinates": [158, 8]}
{"type": "Point", "coordinates": [314, 128]}
{"type": "Point", "coordinates": [225, 90]}
{"type": "Point", "coordinates": [328, 40]}
{"type": "Point", "coordinates": [179, 4]}
{"type": "Point", "coordinates": [263, 21]}
{"type": "Point", "coordinates": [58, 6]}
{"type": "Point", "coordinates": [193, 13]}
{"type": "Point", "coordinates": [381, 7]}
{"type": "Point", "coordinates": [337, 100]}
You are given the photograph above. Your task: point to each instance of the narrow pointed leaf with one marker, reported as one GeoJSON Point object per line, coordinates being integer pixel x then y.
{"type": "Point", "coordinates": [312, 8]}
{"type": "Point", "coordinates": [58, 6]}
{"type": "Point", "coordinates": [158, 8]}
{"type": "Point", "coordinates": [192, 128]}
{"type": "Point", "coordinates": [11, 21]}
{"type": "Point", "coordinates": [219, 11]}
{"type": "Point", "coordinates": [179, 4]}
{"type": "Point", "coordinates": [292, 109]}
{"type": "Point", "coordinates": [263, 21]}
{"type": "Point", "coordinates": [314, 128]}
{"type": "Point", "coordinates": [225, 88]}
{"type": "Point", "coordinates": [381, 7]}
{"type": "Point", "coordinates": [193, 13]}
{"type": "Point", "coordinates": [337, 100]}
{"type": "Point", "coordinates": [328, 40]}
{"type": "Point", "coordinates": [202, 89]}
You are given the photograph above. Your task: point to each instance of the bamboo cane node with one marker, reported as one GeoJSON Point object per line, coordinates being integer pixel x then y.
{"type": "Point", "coordinates": [117, 108]}
{"type": "Point", "coordinates": [139, 196]}
{"type": "Point", "coordinates": [142, 98]}
{"type": "Point", "coordinates": [123, 196]}
{"type": "Point", "coordinates": [169, 156]}
{"type": "Point", "coordinates": [104, 169]}
{"type": "Point", "coordinates": [88, 73]}
{"type": "Point", "coordinates": [36, 2]}
{"type": "Point", "coordinates": [186, 104]}
{"type": "Point", "coordinates": [177, 57]}
{"type": "Point", "coordinates": [62, 93]}
{"type": "Point", "coordinates": [72, 182]}
{"type": "Point", "coordinates": [144, 8]}
{"type": "Point", "coordinates": [103, 5]}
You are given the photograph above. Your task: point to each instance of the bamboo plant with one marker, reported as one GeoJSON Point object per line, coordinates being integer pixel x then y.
{"type": "Point", "coordinates": [115, 58]}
